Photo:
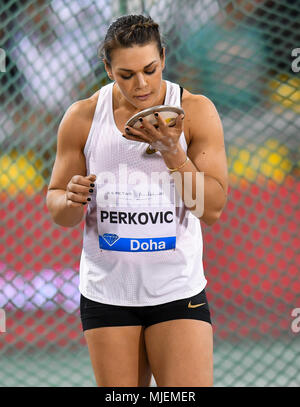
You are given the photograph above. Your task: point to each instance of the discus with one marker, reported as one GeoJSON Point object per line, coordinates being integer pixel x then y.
{"type": "Point", "coordinates": [168, 113]}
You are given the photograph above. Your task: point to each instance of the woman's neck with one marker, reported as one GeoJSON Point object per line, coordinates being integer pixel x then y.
{"type": "Point", "coordinates": [120, 102]}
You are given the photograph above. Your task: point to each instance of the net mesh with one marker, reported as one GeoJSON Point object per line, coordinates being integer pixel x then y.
{"type": "Point", "coordinates": [240, 55]}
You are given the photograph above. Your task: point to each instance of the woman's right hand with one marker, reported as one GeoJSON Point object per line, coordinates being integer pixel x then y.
{"type": "Point", "coordinates": [79, 189]}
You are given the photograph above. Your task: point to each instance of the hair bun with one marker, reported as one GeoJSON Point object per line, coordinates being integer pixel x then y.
{"type": "Point", "coordinates": [145, 24]}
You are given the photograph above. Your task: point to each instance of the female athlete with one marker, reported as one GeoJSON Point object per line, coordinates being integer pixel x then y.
{"type": "Point", "coordinates": [143, 305]}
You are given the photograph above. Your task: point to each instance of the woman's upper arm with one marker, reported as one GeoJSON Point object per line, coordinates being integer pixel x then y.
{"type": "Point", "coordinates": [207, 148]}
{"type": "Point", "coordinates": [70, 159]}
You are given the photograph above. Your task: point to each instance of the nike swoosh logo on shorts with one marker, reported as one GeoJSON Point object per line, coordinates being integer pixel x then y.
{"type": "Point", "coordinates": [196, 305]}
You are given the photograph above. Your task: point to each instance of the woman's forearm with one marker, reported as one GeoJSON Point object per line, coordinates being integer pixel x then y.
{"type": "Point", "coordinates": [60, 212]}
{"type": "Point", "coordinates": [202, 194]}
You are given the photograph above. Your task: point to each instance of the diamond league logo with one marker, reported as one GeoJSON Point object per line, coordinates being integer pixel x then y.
{"type": "Point", "coordinates": [110, 238]}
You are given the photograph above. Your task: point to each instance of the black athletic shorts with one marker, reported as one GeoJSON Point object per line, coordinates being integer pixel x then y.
{"type": "Point", "coordinates": [95, 314]}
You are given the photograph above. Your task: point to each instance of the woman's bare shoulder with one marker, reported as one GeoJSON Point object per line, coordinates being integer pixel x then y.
{"type": "Point", "coordinates": [196, 104]}
{"type": "Point", "coordinates": [85, 108]}
{"type": "Point", "coordinates": [190, 98]}
{"type": "Point", "coordinates": [82, 113]}
{"type": "Point", "coordinates": [192, 104]}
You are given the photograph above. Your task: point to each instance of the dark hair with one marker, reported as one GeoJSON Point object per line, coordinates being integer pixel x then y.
{"type": "Point", "coordinates": [127, 31]}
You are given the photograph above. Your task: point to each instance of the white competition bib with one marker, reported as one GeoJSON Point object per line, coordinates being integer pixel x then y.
{"type": "Point", "coordinates": [136, 218]}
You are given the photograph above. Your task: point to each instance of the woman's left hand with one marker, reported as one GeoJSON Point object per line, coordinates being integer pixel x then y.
{"type": "Point", "coordinates": [164, 138]}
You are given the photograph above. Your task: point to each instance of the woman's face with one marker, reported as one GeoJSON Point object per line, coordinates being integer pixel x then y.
{"type": "Point", "coordinates": [138, 72]}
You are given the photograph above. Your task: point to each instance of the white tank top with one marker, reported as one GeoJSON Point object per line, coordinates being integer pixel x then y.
{"type": "Point", "coordinates": [137, 251]}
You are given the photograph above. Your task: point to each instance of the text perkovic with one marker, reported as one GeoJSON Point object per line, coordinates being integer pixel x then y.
{"type": "Point", "coordinates": [137, 218]}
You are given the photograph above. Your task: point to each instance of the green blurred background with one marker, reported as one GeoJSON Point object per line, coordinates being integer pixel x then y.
{"type": "Point", "coordinates": [237, 53]}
